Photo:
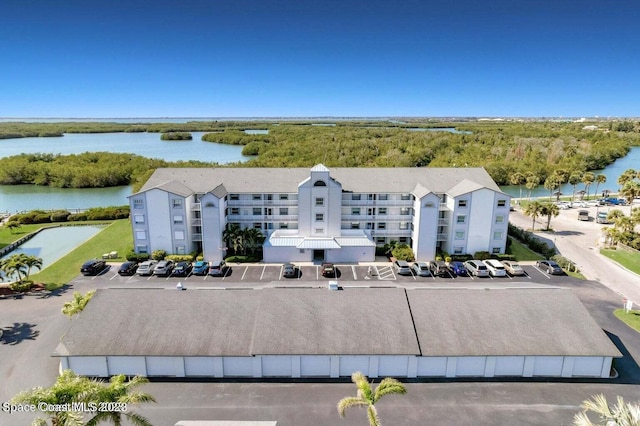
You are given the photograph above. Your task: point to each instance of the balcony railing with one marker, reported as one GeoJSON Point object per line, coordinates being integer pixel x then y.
{"type": "Point", "coordinates": [195, 206]}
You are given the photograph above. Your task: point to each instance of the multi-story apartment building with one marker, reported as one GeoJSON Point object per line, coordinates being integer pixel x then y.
{"type": "Point", "coordinates": [337, 215]}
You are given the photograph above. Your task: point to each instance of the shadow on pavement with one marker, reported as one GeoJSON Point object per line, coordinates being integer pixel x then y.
{"type": "Point", "coordinates": [18, 332]}
{"type": "Point", "coordinates": [627, 367]}
{"type": "Point", "coordinates": [57, 292]}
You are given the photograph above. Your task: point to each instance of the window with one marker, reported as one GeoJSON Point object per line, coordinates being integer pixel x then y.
{"type": "Point", "coordinates": [457, 250]}
{"type": "Point", "coordinates": [319, 201]}
{"type": "Point", "coordinates": [462, 203]}
{"type": "Point", "coordinates": [499, 219]}
{"type": "Point", "coordinates": [301, 251]}
{"type": "Point", "coordinates": [381, 240]}
{"type": "Point", "coordinates": [141, 235]}
{"type": "Point", "coordinates": [459, 235]}
{"type": "Point", "coordinates": [257, 225]}
{"type": "Point", "coordinates": [405, 211]}
{"type": "Point", "coordinates": [382, 225]}
{"type": "Point", "coordinates": [256, 197]}
{"type": "Point", "coordinates": [428, 204]}
{"type": "Point", "coordinates": [178, 235]}
{"type": "Point", "coordinates": [181, 250]}
{"type": "Point", "coordinates": [404, 225]}
{"type": "Point", "coordinates": [371, 197]}
{"type": "Point", "coordinates": [495, 250]}
{"type": "Point", "coordinates": [319, 183]}
{"type": "Point", "coordinates": [355, 196]}
{"type": "Point", "coordinates": [138, 218]}
{"type": "Point", "coordinates": [405, 197]}
{"type": "Point", "coordinates": [269, 197]}
{"type": "Point", "coordinates": [283, 225]}
{"type": "Point", "coordinates": [234, 197]}
{"type": "Point", "coordinates": [138, 203]}
{"type": "Point", "coordinates": [369, 225]}
{"type": "Point", "coordinates": [355, 225]}
{"type": "Point", "coordinates": [268, 212]}
{"type": "Point", "coordinates": [257, 211]}
{"type": "Point", "coordinates": [319, 230]}
{"type": "Point", "coordinates": [382, 210]}
{"type": "Point", "coordinates": [284, 196]}
{"type": "Point", "coordinates": [497, 235]}
{"type": "Point", "coordinates": [383, 197]}
{"type": "Point", "coordinates": [403, 240]}
{"type": "Point", "coordinates": [235, 210]}
{"type": "Point", "coordinates": [284, 211]}
{"type": "Point", "coordinates": [319, 217]}
{"type": "Point", "coordinates": [461, 218]}
{"type": "Point", "coordinates": [177, 203]}
{"type": "Point", "coordinates": [355, 211]}
{"type": "Point", "coordinates": [178, 219]}
{"type": "Point", "coordinates": [443, 198]}
{"type": "Point", "coordinates": [142, 248]}
{"type": "Point", "coordinates": [502, 203]}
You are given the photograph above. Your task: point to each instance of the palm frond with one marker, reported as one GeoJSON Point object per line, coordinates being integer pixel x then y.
{"type": "Point", "coordinates": [372, 414]}
{"type": "Point", "coordinates": [389, 386]}
{"type": "Point", "coordinates": [350, 401]}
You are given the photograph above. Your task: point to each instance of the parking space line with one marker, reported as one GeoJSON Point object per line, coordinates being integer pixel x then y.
{"type": "Point", "coordinates": [226, 273]}
{"type": "Point", "coordinates": [545, 275]}
{"type": "Point", "coordinates": [246, 268]}
{"type": "Point", "coordinates": [317, 272]}
{"type": "Point", "coordinates": [355, 275]}
{"type": "Point", "coordinates": [263, 269]}
{"type": "Point", "coordinates": [114, 275]}
{"type": "Point", "coordinates": [281, 269]}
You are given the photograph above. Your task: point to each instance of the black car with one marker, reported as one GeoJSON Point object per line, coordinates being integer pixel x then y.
{"type": "Point", "coordinates": [182, 269]}
{"type": "Point", "coordinates": [328, 270]}
{"type": "Point", "coordinates": [93, 267]}
{"type": "Point", "coordinates": [128, 268]}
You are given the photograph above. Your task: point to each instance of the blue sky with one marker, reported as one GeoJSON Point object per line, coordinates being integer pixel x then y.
{"type": "Point", "coordinates": [274, 58]}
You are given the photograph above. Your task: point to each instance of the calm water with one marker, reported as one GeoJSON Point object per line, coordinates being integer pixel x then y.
{"type": "Point", "coordinates": [144, 144]}
{"type": "Point", "coordinates": [612, 172]}
{"type": "Point", "coordinates": [52, 244]}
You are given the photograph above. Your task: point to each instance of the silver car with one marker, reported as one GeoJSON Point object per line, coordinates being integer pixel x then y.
{"type": "Point", "coordinates": [147, 267]}
{"type": "Point", "coordinates": [421, 269]}
{"type": "Point", "coordinates": [477, 268]}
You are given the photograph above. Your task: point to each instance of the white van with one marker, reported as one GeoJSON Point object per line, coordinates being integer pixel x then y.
{"type": "Point", "coordinates": [496, 268]}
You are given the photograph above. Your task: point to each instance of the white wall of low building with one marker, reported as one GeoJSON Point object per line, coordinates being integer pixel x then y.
{"type": "Point", "coordinates": [351, 254]}
{"type": "Point", "coordinates": [272, 254]}
{"type": "Point", "coordinates": [334, 366]}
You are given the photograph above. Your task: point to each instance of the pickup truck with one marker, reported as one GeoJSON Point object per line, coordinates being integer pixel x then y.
{"type": "Point", "coordinates": [602, 217]}
{"type": "Point", "coordinates": [583, 215]}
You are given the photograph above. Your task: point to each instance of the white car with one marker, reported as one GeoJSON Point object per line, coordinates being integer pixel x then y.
{"type": "Point", "coordinates": [579, 204]}
{"type": "Point", "coordinates": [496, 268]}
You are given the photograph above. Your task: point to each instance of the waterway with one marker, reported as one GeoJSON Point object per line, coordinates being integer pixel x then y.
{"type": "Point", "coordinates": [612, 172]}
{"type": "Point", "coordinates": [54, 243]}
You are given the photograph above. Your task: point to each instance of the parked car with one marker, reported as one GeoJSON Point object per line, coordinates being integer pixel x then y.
{"type": "Point", "coordinates": [421, 269]}
{"type": "Point", "coordinates": [93, 267]}
{"type": "Point", "coordinates": [550, 267]}
{"type": "Point", "coordinates": [594, 203]}
{"type": "Point", "coordinates": [128, 268]}
{"type": "Point", "coordinates": [579, 204]}
{"type": "Point", "coordinates": [401, 267]}
{"type": "Point", "coordinates": [477, 268]}
{"type": "Point", "coordinates": [496, 268]}
{"type": "Point", "coordinates": [439, 268]}
{"type": "Point", "coordinates": [602, 217]}
{"type": "Point", "coordinates": [182, 269]}
{"type": "Point", "coordinates": [513, 268]}
{"type": "Point", "coordinates": [146, 267]}
{"type": "Point", "coordinates": [201, 267]}
{"type": "Point", "coordinates": [458, 268]}
{"type": "Point", "coordinates": [163, 268]}
{"type": "Point", "coordinates": [328, 270]}
{"type": "Point", "coordinates": [563, 205]}
{"type": "Point", "coordinates": [218, 268]}
{"type": "Point", "coordinates": [583, 215]}
{"type": "Point", "coordinates": [610, 201]}
{"type": "Point", "coordinates": [289, 270]}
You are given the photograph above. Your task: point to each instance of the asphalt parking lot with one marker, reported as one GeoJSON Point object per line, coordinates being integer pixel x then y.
{"type": "Point", "coordinates": [379, 274]}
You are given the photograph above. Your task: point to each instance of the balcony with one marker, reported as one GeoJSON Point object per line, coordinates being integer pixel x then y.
{"type": "Point", "coordinates": [196, 237]}
{"type": "Point", "coordinates": [195, 207]}
{"type": "Point", "coordinates": [390, 232]}
{"type": "Point", "coordinates": [261, 203]}
{"type": "Point", "coordinates": [373, 203]}
{"type": "Point", "coordinates": [442, 237]}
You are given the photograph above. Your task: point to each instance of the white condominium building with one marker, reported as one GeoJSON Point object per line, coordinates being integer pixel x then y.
{"type": "Point", "coordinates": [336, 215]}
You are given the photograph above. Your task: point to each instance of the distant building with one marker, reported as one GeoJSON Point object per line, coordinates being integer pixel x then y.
{"type": "Point", "coordinates": [337, 215]}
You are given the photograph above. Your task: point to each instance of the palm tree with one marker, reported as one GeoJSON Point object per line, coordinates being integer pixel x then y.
{"type": "Point", "coordinates": [533, 210]}
{"type": "Point", "coordinates": [253, 238]}
{"type": "Point", "coordinates": [574, 180]}
{"type": "Point", "coordinates": [627, 176]}
{"type": "Point", "coordinates": [367, 397]}
{"type": "Point", "coordinates": [621, 414]}
{"type": "Point", "coordinates": [549, 210]}
{"type": "Point", "coordinates": [588, 178]}
{"type": "Point", "coordinates": [629, 191]}
{"type": "Point", "coordinates": [77, 304]}
{"type": "Point", "coordinates": [551, 183]}
{"type": "Point", "coordinates": [230, 236]}
{"type": "Point", "coordinates": [124, 392]}
{"type": "Point", "coordinates": [32, 262]}
{"type": "Point", "coordinates": [519, 179]}
{"type": "Point", "coordinates": [598, 179]}
{"type": "Point", "coordinates": [14, 265]}
{"type": "Point", "coordinates": [532, 183]}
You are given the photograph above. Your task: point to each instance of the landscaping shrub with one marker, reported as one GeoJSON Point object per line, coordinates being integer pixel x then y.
{"type": "Point", "coordinates": [482, 255]}
{"type": "Point", "coordinates": [249, 258]}
{"type": "Point", "coordinates": [59, 216]}
{"type": "Point", "coordinates": [158, 254]}
{"type": "Point", "coordinates": [132, 256]}
{"type": "Point", "coordinates": [180, 257]}
{"type": "Point", "coordinates": [77, 217]}
{"type": "Point", "coordinates": [565, 263]}
{"type": "Point", "coordinates": [21, 286]}
{"type": "Point", "coordinates": [107, 213]}
{"type": "Point", "coordinates": [403, 252]}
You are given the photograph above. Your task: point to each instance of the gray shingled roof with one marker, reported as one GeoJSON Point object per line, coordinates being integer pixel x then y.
{"type": "Point", "coordinates": [286, 180]}
{"type": "Point", "coordinates": [300, 321]}
{"type": "Point", "coordinates": [506, 322]}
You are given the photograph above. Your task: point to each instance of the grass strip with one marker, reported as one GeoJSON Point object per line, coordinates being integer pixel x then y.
{"type": "Point", "coordinates": [631, 261]}
{"type": "Point", "coordinates": [631, 318]}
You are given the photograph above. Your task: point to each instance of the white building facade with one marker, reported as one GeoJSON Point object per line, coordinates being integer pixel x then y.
{"type": "Point", "coordinates": [337, 215]}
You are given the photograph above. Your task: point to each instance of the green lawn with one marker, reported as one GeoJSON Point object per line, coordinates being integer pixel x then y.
{"type": "Point", "coordinates": [631, 261]}
{"type": "Point", "coordinates": [522, 252]}
{"type": "Point", "coordinates": [632, 318]}
{"type": "Point", "coordinates": [115, 237]}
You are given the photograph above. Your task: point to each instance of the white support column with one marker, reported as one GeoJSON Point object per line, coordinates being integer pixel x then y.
{"type": "Point", "coordinates": [606, 367]}
{"type": "Point", "coordinates": [452, 365]}
{"type": "Point", "coordinates": [529, 364]}
{"type": "Point", "coordinates": [373, 366]}
{"type": "Point", "coordinates": [218, 367]}
{"type": "Point", "coordinates": [179, 362]}
{"type": "Point", "coordinates": [490, 366]}
{"type": "Point", "coordinates": [412, 367]}
{"type": "Point", "coordinates": [295, 366]}
{"type": "Point", "coordinates": [567, 366]}
{"type": "Point", "coordinates": [335, 366]}
{"type": "Point", "coordinates": [257, 366]}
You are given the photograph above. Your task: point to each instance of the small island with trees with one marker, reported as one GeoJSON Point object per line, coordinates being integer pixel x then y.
{"type": "Point", "coordinates": [176, 136]}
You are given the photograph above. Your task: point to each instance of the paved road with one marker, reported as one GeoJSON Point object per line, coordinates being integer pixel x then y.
{"type": "Point", "coordinates": [578, 241]}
